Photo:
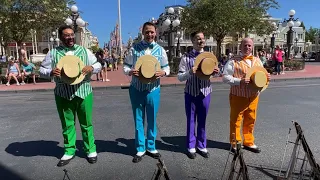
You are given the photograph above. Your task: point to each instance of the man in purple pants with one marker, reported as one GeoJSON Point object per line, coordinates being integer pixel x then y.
{"type": "Point", "coordinates": [197, 98]}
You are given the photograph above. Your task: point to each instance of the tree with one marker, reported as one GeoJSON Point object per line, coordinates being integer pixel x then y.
{"type": "Point", "coordinates": [220, 18]}
{"type": "Point", "coordinates": [21, 16]}
{"type": "Point", "coordinates": [311, 34]}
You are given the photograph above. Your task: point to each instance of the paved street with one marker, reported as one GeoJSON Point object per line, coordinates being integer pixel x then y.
{"type": "Point", "coordinates": [31, 140]}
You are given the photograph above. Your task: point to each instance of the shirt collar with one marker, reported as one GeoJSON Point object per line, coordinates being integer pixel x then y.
{"type": "Point", "coordinates": [147, 44]}
{"type": "Point", "coordinates": [197, 52]}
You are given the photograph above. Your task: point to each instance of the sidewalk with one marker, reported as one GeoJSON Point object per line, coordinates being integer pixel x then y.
{"type": "Point", "coordinates": [119, 80]}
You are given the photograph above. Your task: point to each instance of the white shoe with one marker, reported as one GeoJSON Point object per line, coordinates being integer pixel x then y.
{"type": "Point", "coordinates": [23, 83]}
{"type": "Point", "coordinates": [8, 84]}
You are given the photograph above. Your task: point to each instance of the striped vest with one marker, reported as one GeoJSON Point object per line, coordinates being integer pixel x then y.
{"type": "Point", "coordinates": [67, 91]}
{"type": "Point", "coordinates": [140, 49]}
{"type": "Point", "coordinates": [194, 85]}
{"type": "Point", "coordinates": [240, 69]}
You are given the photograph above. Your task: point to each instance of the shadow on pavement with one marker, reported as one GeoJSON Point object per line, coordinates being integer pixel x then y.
{"type": "Point", "coordinates": [35, 148]}
{"type": "Point", "coordinates": [179, 142]}
{"type": "Point", "coordinates": [6, 173]}
{"type": "Point", "coordinates": [119, 146]}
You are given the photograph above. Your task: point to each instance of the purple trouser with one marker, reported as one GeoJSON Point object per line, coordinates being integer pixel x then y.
{"type": "Point", "coordinates": [196, 108]}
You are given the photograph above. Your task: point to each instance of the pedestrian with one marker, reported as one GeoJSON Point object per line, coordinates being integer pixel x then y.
{"type": "Point", "coordinates": [277, 56]}
{"type": "Point", "coordinates": [197, 98]}
{"type": "Point", "coordinates": [145, 97]}
{"type": "Point", "coordinates": [243, 100]}
{"type": "Point", "coordinates": [73, 98]}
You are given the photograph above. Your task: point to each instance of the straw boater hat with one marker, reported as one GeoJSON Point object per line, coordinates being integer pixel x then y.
{"type": "Point", "coordinates": [147, 66]}
{"type": "Point", "coordinates": [258, 78]}
{"type": "Point", "coordinates": [71, 69]}
{"type": "Point", "coordinates": [205, 63]}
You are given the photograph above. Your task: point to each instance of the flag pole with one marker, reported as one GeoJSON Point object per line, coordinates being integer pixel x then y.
{"type": "Point", "coordinates": [120, 37]}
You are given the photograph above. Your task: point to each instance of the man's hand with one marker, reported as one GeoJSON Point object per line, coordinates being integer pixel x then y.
{"type": "Point", "coordinates": [86, 70]}
{"type": "Point", "coordinates": [193, 70]}
{"type": "Point", "coordinates": [216, 71]}
{"type": "Point", "coordinates": [134, 72]}
{"type": "Point", "coordinates": [160, 73]}
{"type": "Point", "coordinates": [268, 76]}
{"type": "Point", "coordinates": [56, 72]}
{"type": "Point", "coordinates": [245, 81]}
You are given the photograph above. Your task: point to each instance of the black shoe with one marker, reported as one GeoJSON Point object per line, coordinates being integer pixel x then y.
{"type": "Point", "coordinates": [92, 160]}
{"type": "Point", "coordinates": [154, 155]}
{"type": "Point", "coordinates": [137, 158]}
{"type": "Point", "coordinates": [255, 150]}
{"type": "Point", "coordinates": [203, 154]}
{"type": "Point", "coordinates": [64, 162]}
{"type": "Point", "coordinates": [191, 155]}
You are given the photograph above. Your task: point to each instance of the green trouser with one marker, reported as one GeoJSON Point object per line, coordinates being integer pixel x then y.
{"type": "Point", "coordinates": [67, 112]}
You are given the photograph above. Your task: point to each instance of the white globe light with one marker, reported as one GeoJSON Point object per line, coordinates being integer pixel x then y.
{"type": "Point", "coordinates": [170, 10]}
{"type": "Point", "coordinates": [284, 24]}
{"type": "Point", "coordinates": [74, 9]}
{"type": "Point", "coordinates": [57, 39]}
{"type": "Point", "coordinates": [178, 33]}
{"type": "Point", "coordinates": [167, 22]}
{"type": "Point", "coordinates": [23, 51]}
{"type": "Point", "coordinates": [292, 12]}
{"type": "Point", "coordinates": [53, 33]}
{"type": "Point", "coordinates": [51, 39]}
{"type": "Point", "coordinates": [80, 22]}
{"type": "Point", "coordinates": [278, 32]}
{"type": "Point", "coordinates": [290, 23]}
{"type": "Point", "coordinates": [68, 21]}
{"type": "Point", "coordinates": [298, 23]}
{"type": "Point", "coordinates": [176, 39]}
{"type": "Point", "coordinates": [176, 23]}
{"type": "Point", "coordinates": [274, 24]}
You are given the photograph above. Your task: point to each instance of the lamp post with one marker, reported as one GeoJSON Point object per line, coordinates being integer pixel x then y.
{"type": "Point", "coordinates": [178, 38]}
{"type": "Point", "coordinates": [273, 38]}
{"type": "Point", "coordinates": [291, 22]}
{"type": "Point", "coordinates": [54, 39]}
{"type": "Point", "coordinates": [75, 20]}
{"type": "Point", "coordinates": [170, 20]}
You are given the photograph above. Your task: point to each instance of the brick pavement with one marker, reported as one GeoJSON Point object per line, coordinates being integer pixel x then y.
{"type": "Point", "coordinates": [118, 79]}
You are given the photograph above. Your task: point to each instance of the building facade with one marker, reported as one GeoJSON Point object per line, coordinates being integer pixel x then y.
{"type": "Point", "coordinates": [231, 44]}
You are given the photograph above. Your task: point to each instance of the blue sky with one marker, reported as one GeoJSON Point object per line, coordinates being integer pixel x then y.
{"type": "Point", "coordinates": [102, 14]}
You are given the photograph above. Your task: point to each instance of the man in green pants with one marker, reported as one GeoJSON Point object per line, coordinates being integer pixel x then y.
{"type": "Point", "coordinates": [72, 100]}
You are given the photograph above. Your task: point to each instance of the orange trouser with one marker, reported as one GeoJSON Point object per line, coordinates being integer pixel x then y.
{"type": "Point", "coordinates": [242, 108]}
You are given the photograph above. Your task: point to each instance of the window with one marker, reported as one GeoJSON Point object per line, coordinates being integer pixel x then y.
{"type": "Point", "coordinates": [300, 36]}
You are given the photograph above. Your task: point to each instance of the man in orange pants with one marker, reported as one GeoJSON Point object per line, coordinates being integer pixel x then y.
{"type": "Point", "coordinates": [243, 100]}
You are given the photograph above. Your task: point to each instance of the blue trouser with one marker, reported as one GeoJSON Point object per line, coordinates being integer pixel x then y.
{"type": "Point", "coordinates": [142, 101]}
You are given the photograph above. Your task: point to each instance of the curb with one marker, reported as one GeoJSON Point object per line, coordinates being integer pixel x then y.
{"type": "Point", "coordinates": [163, 85]}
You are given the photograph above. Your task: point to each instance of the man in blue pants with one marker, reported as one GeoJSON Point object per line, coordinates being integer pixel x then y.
{"type": "Point", "coordinates": [145, 97]}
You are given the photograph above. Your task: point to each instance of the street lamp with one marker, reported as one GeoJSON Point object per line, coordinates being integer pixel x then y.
{"type": "Point", "coordinates": [273, 38]}
{"type": "Point", "coordinates": [291, 22]}
{"type": "Point", "coordinates": [170, 19]}
{"type": "Point", "coordinates": [54, 39]}
{"type": "Point", "coordinates": [178, 38]}
{"type": "Point", "coordinates": [75, 20]}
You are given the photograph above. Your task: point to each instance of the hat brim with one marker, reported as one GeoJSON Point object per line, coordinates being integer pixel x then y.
{"type": "Point", "coordinates": [139, 63]}
{"type": "Point", "coordinates": [249, 74]}
{"type": "Point", "coordinates": [199, 59]}
{"type": "Point", "coordinates": [64, 77]}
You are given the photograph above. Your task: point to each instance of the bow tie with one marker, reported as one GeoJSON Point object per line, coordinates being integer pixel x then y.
{"type": "Point", "coordinates": [247, 58]}
{"type": "Point", "coordinates": [69, 48]}
{"type": "Point", "coordinates": [150, 46]}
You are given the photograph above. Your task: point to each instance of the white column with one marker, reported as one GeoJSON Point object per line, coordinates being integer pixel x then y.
{"type": "Point", "coordinates": [32, 39]}
{"type": "Point", "coordinates": [17, 50]}
{"type": "Point", "coordinates": [35, 40]}
{"type": "Point", "coordinates": [120, 37]}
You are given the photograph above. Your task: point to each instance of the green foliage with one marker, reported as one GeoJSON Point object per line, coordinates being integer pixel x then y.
{"type": "Point", "coordinates": [94, 49]}
{"type": "Point", "coordinates": [294, 65]}
{"type": "Point", "coordinates": [219, 18]}
{"type": "Point", "coordinates": [18, 17]}
{"type": "Point", "coordinates": [311, 34]}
